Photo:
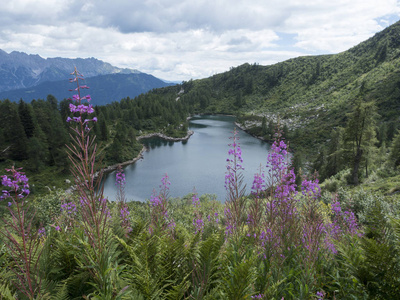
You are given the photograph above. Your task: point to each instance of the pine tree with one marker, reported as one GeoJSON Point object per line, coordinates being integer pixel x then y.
{"type": "Point", "coordinates": [394, 157]}
{"type": "Point", "coordinates": [103, 130]}
{"type": "Point", "coordinates": [239, 100]}
{"type": "Point", "coordinates": [360, 135]}
{"type": "Point", "coordinates": [13, 131]}
{"type": "Point", "coordinates": [25, 112]}
{"type": "Point", "coordinates": [334, 153]}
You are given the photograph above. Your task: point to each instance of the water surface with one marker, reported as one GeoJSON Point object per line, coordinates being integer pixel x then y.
{"type": "Point", "coordinates": [199, 163]}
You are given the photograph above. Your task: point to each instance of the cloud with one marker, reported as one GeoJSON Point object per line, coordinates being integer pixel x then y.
{"type": "Point", "coordinates": [333, 26]}
{"type": "Point", "coordinates": [181, 39]}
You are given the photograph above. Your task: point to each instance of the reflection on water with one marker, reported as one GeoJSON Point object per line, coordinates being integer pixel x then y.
{"type": "Point", "coordinates": [199, 163]}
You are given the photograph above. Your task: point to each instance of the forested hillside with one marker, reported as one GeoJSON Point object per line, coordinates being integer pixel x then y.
{"type": "Point", "coordinates": [312, 90]}
{"type": "Point", "coordinates": [33, 135]}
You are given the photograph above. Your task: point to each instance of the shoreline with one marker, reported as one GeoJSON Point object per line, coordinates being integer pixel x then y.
{"type": "Point", "coordinates": [140, 155]}
{"type": "Point", "coordinates": [165, 137]}
{"type": "Point", "coordinates": [111, 168]}
{"type": "Point", "coordinates": [242, 127]}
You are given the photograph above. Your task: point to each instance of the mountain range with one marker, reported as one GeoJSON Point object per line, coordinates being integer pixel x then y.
{"type": "Point", "coordinates": [29, 77]}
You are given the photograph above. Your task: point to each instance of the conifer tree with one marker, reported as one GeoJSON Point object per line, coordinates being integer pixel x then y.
{"type": "Point", "coordinates": [13, 131]}
{"type": "Point", "coordinates": [26, 115]}
{"type": "Point", "coordinates": [103, 130]}
{"type": "Point", "coordinates": [394, 157]}
{"type": "Point", "coordinates": [360, 135]}
{"type": "Point", "coordinates": [334, 153]}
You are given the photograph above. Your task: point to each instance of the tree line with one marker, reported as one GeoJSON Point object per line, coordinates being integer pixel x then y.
{"type": "Point", "coordinates": [361, 146]}
{"type": "Point", "coordinates": [36, 133]}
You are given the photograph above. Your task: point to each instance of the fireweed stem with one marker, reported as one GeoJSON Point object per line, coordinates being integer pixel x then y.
{"type": "Point", "coordinates": [25, 254]}
{"type": "Point", "coordinates": [82, 154]}
{"type": "Point", "coordinates": [235, 206]}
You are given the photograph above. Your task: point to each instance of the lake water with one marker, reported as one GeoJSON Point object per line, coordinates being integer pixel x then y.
{"type": "Point", "coordinates": [199, 163]}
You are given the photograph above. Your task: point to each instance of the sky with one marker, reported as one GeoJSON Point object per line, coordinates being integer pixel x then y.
{"type": "Point", "coordinates": [179, 40]}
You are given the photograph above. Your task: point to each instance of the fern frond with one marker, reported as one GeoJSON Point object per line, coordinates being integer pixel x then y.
{"type": "Point", "coordinates": [61, 293]}
{"type": "Point", "coordinates": [6, 293]}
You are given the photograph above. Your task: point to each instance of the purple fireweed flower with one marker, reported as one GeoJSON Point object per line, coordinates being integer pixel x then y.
{"type": "Point", "coordinates": [124, 213]}
{"type": "Point", "coordinates": [234, 164]}
{"type": "Point", "coordinates": [72, 108]}
{"type": "Point", "coordinates": [342, 222]}
{"type": "Point", "coordinates": [198, 225]}
{"type": "Point", "coordinates": [125, 217]}
{"type": "Point", "coordinates": [83, 201]}
{"type": "Point", "coordinates": [155, 200]}
{"type": "Point", "coordinates": [258, 184]}
{"type": "Point", "coordinates": [320, 295]}
{"type": "Point", "coordinates": [235, 210]}
{"type": "Point", "coordinates": [18, 235]}
{"type": "Point", "coordinates": [165, 183]}
{"type": "Point", "coordinates": [195, 201]}
{"type": "Point", "coordinates": [6, 181]}
{"type": "Point", "coordinates": [80, 107]}
{"type": "Point", "coordinates": [159, 208]}
{"type": "Point", "coordinates": [336, 209]}
{"type": "Point", "coordinates": [198, 222]}
{"type": "Point", "coordinates": [277, 162]}
{"type": "Point", "coordinates": [41, 233]}
{"type": "Point", "coordinates": [69, 208]}
{"type": "Point", "coordinates": [119, 178]}
{"type": "Point", "coordinates": [88, 98]}
{"type": "Point", "coordinates": [286, 190]}
{"type": "Point", "coordinates": [230, 222]}
{"type": "Point", "coordinates": [311, 188]}
{"type": "Point", "coordinates": [16, 183]}
{"type": "Point", "coordinates": [213, 218]}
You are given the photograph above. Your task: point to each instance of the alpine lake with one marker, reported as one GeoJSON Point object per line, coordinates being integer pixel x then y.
{"type": "Point", "coordinates": [198, 164]}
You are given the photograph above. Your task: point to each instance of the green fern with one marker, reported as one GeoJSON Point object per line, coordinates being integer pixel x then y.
{"type": "Point", "coordinates": [61, 293]}
{"type": "Point", "coordinates": [239, 273]}
{"type": "Point", "coordinates": [204, 262]}
{"type": "Point", "coordinates": [6, 293]}
{"type": "Point", "coordinates": [139, 273]}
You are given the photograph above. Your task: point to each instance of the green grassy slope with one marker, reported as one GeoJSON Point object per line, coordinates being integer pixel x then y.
{"type": "Point", "coordinates": [311, 93]}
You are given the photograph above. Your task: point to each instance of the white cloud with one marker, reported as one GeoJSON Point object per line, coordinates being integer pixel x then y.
{"type": "Point", "coordinates": [182, 39]}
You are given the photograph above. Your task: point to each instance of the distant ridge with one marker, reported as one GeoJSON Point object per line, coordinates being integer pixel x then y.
{"type": "Point", "coordinates": [20, 70]}
{"type": "Point", "coordinates": [104, 89]}
{"type": "Point", "coordinates": [27, 76]}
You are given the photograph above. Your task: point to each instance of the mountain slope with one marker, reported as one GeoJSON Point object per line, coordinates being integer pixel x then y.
{"type": "Point", "coordinates": [20, 70]}
{"type": "Point", "coordinates": [104, 89]}
{"type": "Point", "coordinates": [311, 93]}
